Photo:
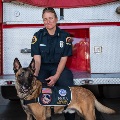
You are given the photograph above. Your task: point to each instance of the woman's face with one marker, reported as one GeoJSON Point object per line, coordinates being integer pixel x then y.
{"type": "Point", "coordinates": [49, 20]}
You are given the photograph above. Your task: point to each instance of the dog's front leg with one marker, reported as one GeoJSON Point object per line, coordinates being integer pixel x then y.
{"type": "Point", "coordinates": [48, 112]}
{"type": "Point", "coordinates": [27, 111]}
{"type": "Point", "coordinates": [38, 111]}
{"type": "Point", "coordinates": [29, 116]}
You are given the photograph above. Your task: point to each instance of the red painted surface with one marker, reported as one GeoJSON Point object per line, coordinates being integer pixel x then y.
{"type": "Point", "coordinates": [0, 11]}
{"type": "Point", "coordinates": [64, 25]}
{"type": "Point", "coordinates": [80, 60]}
{"type": "Point", "coordinates": [63, 3]}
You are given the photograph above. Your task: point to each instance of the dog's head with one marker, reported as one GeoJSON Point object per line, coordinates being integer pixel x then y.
{"type": "Point", "coordinates": [24, 76]}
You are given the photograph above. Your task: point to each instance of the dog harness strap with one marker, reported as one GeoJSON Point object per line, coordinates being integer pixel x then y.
{"type": "Point", "coordinates": [25, 102]}
{"type": "Point", "coordinates": [52, 110]}
{"type": "Point", "coordinates": [65, 107]}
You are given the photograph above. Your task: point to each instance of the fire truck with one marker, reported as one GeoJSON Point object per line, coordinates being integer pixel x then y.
{"type": "Point", "coordinates": [95, 31]}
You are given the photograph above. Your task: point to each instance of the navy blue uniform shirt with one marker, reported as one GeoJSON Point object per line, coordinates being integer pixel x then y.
{"type": "Point", "coordinates": [51, 47]}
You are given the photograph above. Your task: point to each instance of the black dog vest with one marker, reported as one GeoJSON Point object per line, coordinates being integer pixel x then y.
{"type": "Point", "coordinates": [55, 96]}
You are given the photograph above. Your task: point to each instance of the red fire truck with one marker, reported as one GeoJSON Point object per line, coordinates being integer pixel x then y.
{"type": "Point", "coordinates": [96, 43]}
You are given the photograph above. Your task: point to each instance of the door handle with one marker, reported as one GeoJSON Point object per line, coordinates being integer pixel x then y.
{"type": "Point", "coordinates": [25, 50]}
{"type": "Point", "coordinates": [86, 82]}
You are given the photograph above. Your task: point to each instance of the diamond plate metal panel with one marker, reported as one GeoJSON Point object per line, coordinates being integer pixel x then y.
{"type": "Point", "coordinates": [14, 40]}
{"type": "Point", "coordinates": [19, 13]}
{"type": "Point", "coordinates": [97, 81]}
{"type": "Point", "coordinates": [101, 13]}
{"type": "Point", "coordinates": [104, 49]}
{"type": "Point", "coordinates": [80, 78]}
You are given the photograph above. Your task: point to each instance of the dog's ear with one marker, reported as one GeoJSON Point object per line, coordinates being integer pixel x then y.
{"type": "Point", "coordinates": [32, 65]}
{"type": "Point", "coordinates": [16, 65]}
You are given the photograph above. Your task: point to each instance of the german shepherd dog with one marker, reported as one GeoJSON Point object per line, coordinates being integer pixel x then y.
{"type": "Point", "coordinates": [28, 87]}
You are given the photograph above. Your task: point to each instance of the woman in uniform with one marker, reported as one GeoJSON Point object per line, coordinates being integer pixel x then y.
{"type": "Point", "coordinates": [50, 49]}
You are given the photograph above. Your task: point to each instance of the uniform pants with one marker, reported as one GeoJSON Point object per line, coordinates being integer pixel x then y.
{"type": "Point", "coordinates": [47, 70]}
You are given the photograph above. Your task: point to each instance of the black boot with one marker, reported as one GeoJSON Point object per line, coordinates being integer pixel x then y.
{"type": "Point", "coordinates": [69, 116]}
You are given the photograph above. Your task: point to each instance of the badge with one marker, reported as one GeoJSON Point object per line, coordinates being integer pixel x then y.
{"type": "Point", "coordinates": [46, 98]}
{"type": "Point", "coordinates": [68, 40]}
{"type": "Point", "coordinates": [61, 44]}
{"type": "Point", "coordinates": [62, 92]}
{"type": "Point", "coordinates": [34, 39]}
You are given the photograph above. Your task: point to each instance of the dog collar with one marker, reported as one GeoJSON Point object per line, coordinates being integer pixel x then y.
{"type": "Point", "coordinates": [25, 102]}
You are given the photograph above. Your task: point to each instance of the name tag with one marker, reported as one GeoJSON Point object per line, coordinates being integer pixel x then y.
{"type": "Point", "coordinates": [42, 45]}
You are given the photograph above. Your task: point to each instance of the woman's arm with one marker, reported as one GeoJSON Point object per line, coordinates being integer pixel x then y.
{"type": "Point", "coordinates": [60, 68]}
{"type": "Point", "coordinates": [37, 59]}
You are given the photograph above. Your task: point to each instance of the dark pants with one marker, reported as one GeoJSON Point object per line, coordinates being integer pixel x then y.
{"type": "Point", "coordinates": [65, 79]}
{"type": "Point", "coordinates": [47, 70]}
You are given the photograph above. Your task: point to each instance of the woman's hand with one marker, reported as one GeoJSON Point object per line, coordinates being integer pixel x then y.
{"type": "Point", "coordinates": [52, 80]}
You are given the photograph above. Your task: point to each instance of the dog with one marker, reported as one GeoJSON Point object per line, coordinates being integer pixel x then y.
{"type": "Point", "coordinates": [28, 88]}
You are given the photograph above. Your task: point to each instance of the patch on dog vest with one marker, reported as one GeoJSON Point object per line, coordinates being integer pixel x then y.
{"type": "Point", "coordinates": [55, 96]}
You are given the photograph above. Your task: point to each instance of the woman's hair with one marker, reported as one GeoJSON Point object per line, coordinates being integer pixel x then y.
{"type": "Point", "coordinates": [49, 9]}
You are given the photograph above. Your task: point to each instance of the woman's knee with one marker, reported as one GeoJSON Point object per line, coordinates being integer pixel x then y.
{"type": "Point", "coordinates": [66, 78]}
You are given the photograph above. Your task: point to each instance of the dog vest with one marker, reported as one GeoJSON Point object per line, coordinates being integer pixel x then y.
{"type": "Point", "coordinates": [55, 96]}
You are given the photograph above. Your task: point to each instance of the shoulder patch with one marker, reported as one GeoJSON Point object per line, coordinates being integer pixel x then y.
{"type": "Point", "coordinates": [34, 39]}
{"type": "Point", "coordinates": [68, 40]}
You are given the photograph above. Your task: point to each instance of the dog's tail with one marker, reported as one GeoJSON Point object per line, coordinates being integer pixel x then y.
{"type": "Point", "coordinates": [103, 108]}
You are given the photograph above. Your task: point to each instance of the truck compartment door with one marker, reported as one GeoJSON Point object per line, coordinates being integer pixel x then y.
{"type": "Point", "coordinates": [105, 49]}
{"type": "Point", "coordinates": [17, 43]}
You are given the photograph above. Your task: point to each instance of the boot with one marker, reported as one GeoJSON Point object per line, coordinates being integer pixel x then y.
{"type": "Point", "coordinates": [69, 116]}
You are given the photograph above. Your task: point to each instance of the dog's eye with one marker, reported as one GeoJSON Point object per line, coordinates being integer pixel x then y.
{"type": "Point", "coordinates": [22, 74]}
{"type": "Point", "coordinates": [30, 75]}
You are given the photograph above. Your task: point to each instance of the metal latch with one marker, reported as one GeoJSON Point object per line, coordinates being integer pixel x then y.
{"type": "Point", "coordinates": [25, 50]}
{"type": "Point", "coordinates": [86, 82]}
{"type": "Point", "coordinates": [61, 14]}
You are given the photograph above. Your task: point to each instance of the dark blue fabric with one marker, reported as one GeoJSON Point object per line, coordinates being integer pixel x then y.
{"type": "Point", "coordinates": [51, 47]}
{"type": "Point", "coordinates": [57, 96]}
{"type": "Point", "coordinates": [47, 70]}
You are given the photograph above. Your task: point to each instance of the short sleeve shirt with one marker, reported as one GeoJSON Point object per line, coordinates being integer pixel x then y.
{"type": "Point", "coordinates": [51, 48]}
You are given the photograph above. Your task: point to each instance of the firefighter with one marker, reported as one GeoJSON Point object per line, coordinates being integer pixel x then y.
{"type": "Point", "coordinates": [50, 49]}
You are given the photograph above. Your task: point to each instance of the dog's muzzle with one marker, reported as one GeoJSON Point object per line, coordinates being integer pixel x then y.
{"type": "Point", "coordinates": [26, 87]}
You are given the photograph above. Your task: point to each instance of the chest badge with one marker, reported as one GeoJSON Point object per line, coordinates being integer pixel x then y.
{"type": "Point", "coordinates": [61, 44]}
